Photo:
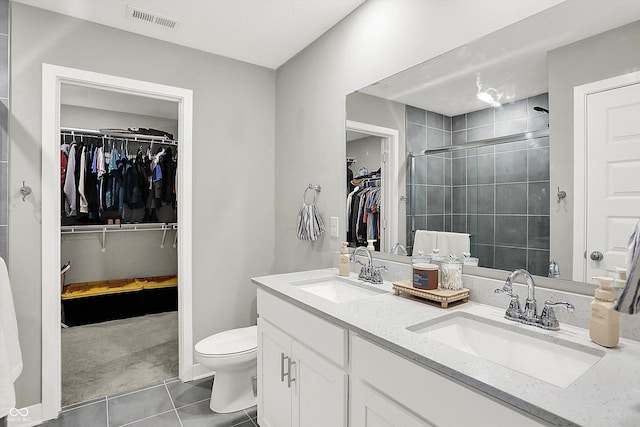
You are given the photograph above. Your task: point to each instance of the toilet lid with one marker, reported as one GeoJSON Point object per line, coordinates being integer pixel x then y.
{"type": "Point", "coordinates": [233, 341]}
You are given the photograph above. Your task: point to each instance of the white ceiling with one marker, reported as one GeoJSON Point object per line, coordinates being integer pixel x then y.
{"type": "Point", "coordinates": [513, 61]}
{"type": "Point", "coordinates": [261, 32]}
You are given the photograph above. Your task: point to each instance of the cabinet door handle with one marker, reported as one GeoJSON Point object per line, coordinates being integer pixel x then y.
{"type": "Point", "coordinates": [282, 374]}
{"type": "Point", "coordinates": [289, 379]}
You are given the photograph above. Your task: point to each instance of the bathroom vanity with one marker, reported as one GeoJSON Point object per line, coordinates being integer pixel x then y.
{"type": "Point", "coordinates": [340, 352]}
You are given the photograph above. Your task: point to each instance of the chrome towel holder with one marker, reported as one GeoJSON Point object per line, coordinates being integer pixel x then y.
{"type": "Point", "coordinates": [316, 189]}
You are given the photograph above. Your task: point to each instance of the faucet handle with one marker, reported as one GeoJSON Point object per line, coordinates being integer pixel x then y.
{"type": "Point", "coordinates": [514, 311]}
{"type": "Point", "coordinates": [551, 304]}
{"type": "Point", "coordinates": [548, 318]}
{"type": "Point", "coordinates": [506, 291]}
{"type": "Point", "coordinates": [376, 276]}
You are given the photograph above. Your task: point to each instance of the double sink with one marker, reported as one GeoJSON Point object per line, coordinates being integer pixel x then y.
{"type": "Point", "coordinates": [521, 348]}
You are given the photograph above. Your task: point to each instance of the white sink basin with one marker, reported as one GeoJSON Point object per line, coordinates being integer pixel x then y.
{"type": "Point", "coordinates": [338, 289]}
{"type": "Point", "coordinates": [528, 352]}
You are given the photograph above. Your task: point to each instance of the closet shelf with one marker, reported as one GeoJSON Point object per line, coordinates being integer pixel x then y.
{"type": "Point", "coordinates": [117, 228]}
{"type": "Point", "coordinates": [135, 137]}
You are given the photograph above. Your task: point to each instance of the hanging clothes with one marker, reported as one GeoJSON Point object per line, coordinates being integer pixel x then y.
{"type": "Point", "coordinates": [84, 205]}
{"type": "Point", "coordinates": [70, 188]}
{"type": "Point", "coordinates": [101, 182]}
{"type": "Point", "coordinates": [363, 215]}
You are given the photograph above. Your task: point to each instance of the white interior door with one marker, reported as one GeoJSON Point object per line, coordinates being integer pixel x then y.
{"type": "Point", "coordinates": [612, 175]}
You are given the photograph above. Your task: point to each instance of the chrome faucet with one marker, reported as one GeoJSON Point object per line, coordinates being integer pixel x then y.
{"type": "Point", "coordinates": [530, 306]}
{"type": "Point", "coordinates": [546, 320]}
{"type": "Point", "coordinates": [368, 272]}
{"type": "Point", "coordinates": [403, 249]}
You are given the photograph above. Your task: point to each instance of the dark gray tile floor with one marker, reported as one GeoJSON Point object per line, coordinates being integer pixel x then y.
{"type": "Point", "coordinates": [170, 403]}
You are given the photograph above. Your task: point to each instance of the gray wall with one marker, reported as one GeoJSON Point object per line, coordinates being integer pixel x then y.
{"type": "Point", "coordinates": [497, 193]}
{"type": "Point", "coordinates": [367, 152]}
{"type": "Point", "coordinates": [127, 255]}
{"type": "Point", "coordinates": [233, 133]}
{"type": "Point", "coordinates": [93, 119]}
{"type": "Point", "coordinates": [380, 38]}
{"type": "Point", "coordinates": [606, 55]}
{"type": "Point", "coordinates": [4, 128]}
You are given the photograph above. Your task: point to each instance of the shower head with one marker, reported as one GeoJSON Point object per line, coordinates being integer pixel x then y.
{"type": "Point", "coordinates": [541, 109]}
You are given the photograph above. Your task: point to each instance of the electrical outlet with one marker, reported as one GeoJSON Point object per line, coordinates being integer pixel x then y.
{"type": "Point", "coordinates": [334, 226]}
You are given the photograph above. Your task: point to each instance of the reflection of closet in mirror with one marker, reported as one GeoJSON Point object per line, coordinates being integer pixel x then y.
{"type": "Point", "coordinates": [485, 173]}
{"type": "Point", "coordinates": [363, 188]}
{"type": "Point", "coordinates": [372, 159]}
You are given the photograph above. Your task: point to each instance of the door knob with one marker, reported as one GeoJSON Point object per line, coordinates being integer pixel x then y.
{"type": "Point", "coordinates": [596, 256]}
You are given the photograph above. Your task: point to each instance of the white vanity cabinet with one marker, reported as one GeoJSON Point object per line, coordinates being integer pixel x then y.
{"type": "Point", "coordinates": [302, 380]}
{"type": "Point", "coordinates": [370, 408]}
{"type": "Point", "coordinates": [390, 390]}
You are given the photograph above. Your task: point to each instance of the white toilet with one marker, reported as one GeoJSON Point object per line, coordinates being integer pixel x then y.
{"type": "Point", "coordinates": [233, 355]}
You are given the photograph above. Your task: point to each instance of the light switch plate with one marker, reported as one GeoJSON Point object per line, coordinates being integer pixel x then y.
{"type": "Point", "coordinates": [334, 226]}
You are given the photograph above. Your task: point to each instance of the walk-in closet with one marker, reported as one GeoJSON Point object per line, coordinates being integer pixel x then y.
{"type": "Point", "coordinates": [119, 225]}
{"type": "Point", "coordinates": [364, 201]}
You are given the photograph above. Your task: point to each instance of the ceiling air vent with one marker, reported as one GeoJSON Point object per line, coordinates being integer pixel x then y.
{"type": "Point", "coordinates": [152, 18]}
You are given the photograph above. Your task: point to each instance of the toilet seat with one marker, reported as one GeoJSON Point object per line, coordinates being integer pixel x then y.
{"type": "Point", "coordinates": [233, 342]}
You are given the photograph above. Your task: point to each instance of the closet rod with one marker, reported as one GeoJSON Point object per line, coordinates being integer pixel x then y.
{"type": "Point", "coordinates": [99, 228]}
{"type": "Point", "coordinates": [125, 137]}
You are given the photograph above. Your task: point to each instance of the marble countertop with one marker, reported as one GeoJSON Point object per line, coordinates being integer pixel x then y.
{"type": "Point", "coordinates": [608, 394]}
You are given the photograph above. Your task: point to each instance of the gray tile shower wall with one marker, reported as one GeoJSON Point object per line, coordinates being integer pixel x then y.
{"type": "Point", "coordinates": [4, 120]}
{"type": "Point", "coordinates": [499, 194]}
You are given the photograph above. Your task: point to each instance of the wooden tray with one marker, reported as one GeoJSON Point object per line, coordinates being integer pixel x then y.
{"type": "Point", "coordinates": [442, 296]}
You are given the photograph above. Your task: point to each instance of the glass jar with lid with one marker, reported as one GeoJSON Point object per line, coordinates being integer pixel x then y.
{"type": "Point", "coordinates": [451, 273]}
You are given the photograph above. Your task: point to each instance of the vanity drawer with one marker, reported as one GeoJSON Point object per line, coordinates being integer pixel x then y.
{"type": "Point", "coordinates": [433, 396]}
{"type": "Point", "coordinates": [321, 335]}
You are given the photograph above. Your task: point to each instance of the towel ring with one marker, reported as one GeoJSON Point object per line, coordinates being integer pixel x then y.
{"type": "Point", "coordinates": [304, 197]}
{"type": "Point", "coordinates": [316, 189]}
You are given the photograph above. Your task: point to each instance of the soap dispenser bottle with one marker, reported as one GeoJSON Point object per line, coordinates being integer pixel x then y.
{"type": "Point", "coordinates": [343, 266]}
{"type": "Point", "coordinates": [604, 324]}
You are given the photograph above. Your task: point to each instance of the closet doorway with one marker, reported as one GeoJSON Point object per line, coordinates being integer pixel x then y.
{"type": "Point", "coordinates": [61, 83]}
{"type": "Point", "coordinates": [388, 164]}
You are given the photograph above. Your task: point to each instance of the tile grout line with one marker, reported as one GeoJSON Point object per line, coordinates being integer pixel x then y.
{"type": "Point", "coordinates": [106, 404]}
{"type": "Point", "coordinates": [173, 404]}
{"type": "Point", "coordinates": [79, 404]}
{"type": "Point", "coordinates": [250, 418]}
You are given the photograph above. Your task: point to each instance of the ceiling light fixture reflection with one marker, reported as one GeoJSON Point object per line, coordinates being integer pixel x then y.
{"type": "Point", "coordinates": [490, 96]}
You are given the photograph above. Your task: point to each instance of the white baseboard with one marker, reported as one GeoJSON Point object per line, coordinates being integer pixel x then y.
{"type": "Point", "coordinates": [200, 372]}
{"type": "Point", "coordinates": [26, 417]}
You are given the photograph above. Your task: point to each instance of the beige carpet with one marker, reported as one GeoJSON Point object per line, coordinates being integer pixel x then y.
{"type": "Point", "coordinates": [117, 356]}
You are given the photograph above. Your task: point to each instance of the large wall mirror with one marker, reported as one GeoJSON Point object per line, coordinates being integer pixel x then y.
{"type": "Point", "coordinates": [486, 142]}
